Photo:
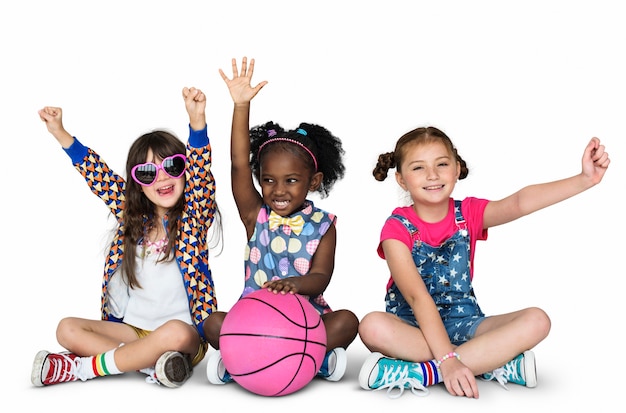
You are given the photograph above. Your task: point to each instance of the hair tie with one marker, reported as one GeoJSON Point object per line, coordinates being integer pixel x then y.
{"type": "Point", "coordinates": [301, 131]}
{"type": "Point", "coordinates": [271, 133]}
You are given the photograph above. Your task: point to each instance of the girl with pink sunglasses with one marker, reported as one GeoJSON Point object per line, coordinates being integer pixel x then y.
{"type": "Point", "coordinates": [158, 254]}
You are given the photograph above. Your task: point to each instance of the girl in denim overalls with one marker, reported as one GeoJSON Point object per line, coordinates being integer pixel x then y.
{"type": "Point", "coordinates": [445, 270]}
{"type": "Point", "coordinates": [433, 330]}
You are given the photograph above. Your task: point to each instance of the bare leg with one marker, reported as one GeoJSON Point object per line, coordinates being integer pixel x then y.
{"type": "Point", "coordinates": [92, 337]}
{"type": "Point", "coordinates": [386, 333]}
{"type": "Point", "coordinates": [502, 337]}
{"type": "Point", "coordinates": [341, 328]}
{"type": "Point", "coordinates": [498, 339]}
{"type": "Point", "coordinates": [212, 328]}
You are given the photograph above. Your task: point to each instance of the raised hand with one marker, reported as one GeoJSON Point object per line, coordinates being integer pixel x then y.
{"type": "Point", "coordinates": [595, 161]}
{"type": "Point", "coordinates": [240, 87]}
{"type": "Point", "coordinates": [53, 118]}
{"type": "Point", "coordinates": [195, 103]}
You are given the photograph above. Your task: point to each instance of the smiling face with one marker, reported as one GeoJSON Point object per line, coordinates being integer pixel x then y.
{"type": "Point", "coordinates": [166, 191]}
{"type": "Point", "coordinates": [285, 181]}
{"type": "Point", "coordinates": [429, 173]}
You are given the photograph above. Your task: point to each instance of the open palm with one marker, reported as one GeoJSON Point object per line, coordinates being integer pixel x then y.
{"type": "Point", "coordinates": [239, 86]}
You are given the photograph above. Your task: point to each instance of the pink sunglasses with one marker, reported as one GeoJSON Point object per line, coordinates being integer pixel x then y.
{"type": "Point", "coordinates": [145, 174]}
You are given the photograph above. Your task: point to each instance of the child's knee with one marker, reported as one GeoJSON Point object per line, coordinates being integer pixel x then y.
{"type": "Point", "coordinates": [539, 321]}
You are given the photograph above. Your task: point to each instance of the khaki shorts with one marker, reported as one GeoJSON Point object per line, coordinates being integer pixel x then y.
{"type": "Point", "coordinates": [202, 349]}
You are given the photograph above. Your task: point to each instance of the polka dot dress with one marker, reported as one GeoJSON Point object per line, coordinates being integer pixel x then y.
{"type": "Point", "coordinates": [279, 253]}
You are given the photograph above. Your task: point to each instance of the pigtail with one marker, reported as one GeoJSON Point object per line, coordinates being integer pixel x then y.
{"type": "Point", "coordinates": [385, 162]}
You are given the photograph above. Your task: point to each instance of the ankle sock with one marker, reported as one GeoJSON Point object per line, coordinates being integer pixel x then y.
{"type": "Point", "coordinates": [100, 365]}
{"type": "Point", "coordinates": [431, 373]}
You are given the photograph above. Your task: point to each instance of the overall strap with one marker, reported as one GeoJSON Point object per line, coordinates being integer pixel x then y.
{"type": "Point", "coordinates": [458, 215]}
{"type": "Point", "coordinates": [415, 233]}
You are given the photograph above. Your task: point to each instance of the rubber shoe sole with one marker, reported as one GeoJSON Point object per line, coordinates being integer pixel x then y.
{"type": "Point", "coordinates": [36, 374]}
{"type": "Point", "coordinates": [341, 363]}
{"type": "Point", "coordinates": [173, 369]}
{"type": "Point", "coordinates": [530, 370]}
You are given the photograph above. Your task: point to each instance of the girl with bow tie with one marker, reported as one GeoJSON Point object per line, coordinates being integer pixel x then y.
{"type": "Point", "coordinates": [291, 242]}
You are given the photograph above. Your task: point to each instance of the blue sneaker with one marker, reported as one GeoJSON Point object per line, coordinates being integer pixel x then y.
{"type": "Point", "coordinates": [380, 372]}
{"type": "Point", "coordinates": [334, 365]}
{"type": "Point", "coordinates": [521, 370]}
{"type": "Point", "coordinates": [215, 370]}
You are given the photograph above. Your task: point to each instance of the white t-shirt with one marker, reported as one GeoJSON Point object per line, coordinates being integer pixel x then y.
{"type": "Point", "coordinates": [162, 296]}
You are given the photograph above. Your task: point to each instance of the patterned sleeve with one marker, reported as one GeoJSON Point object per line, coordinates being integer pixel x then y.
{"type": "Point", "coordinates": [200, 184]}
{"type": "Point", "coordinates": [197, 217]}
{"type": "Point", "coordinates": [102, 181]}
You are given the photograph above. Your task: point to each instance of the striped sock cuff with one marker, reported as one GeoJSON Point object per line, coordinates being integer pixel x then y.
{"type": "Point", "coordinates": [430, 373]}
{"type": "Point", "coordinates": [99, 365]}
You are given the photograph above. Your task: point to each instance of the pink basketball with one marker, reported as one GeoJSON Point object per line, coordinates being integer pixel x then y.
{"type": "Point", "coordinates": [272, 344]}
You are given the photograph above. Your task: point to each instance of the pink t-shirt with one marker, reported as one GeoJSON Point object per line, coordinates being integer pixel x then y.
{"type": "Point", "coordinates": [435, 234]}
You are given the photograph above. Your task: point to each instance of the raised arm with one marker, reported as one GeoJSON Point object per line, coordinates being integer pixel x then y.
{"type": "Point", "coordinates": [53, 118]}
{"type": "Point", "coordinates": [247, 198]}
{"type": "Point", "coordinates": [527, 200]}
{"type": "Point", "coordinates": [106, 185]}
{"type": "Point", "coordinates": [195, 103]}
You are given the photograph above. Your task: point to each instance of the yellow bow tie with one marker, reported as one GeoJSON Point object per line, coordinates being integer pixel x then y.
{"type": "Point", "coordinates": [295, 223]}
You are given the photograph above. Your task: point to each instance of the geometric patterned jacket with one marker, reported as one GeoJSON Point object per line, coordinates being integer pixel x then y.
{"type": "Point", "coordinates": [192, 252]}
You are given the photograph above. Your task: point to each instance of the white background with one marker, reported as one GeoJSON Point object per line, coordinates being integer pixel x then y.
{"type": "Point", "coordinates": [520, 87]}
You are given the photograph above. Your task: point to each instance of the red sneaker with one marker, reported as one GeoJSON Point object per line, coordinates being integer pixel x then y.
{"type": "Point", "coordinates": [52, 368]}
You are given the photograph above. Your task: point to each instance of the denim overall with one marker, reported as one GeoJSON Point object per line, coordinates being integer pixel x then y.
{"type": "Point", "coordinates": [445, 271]}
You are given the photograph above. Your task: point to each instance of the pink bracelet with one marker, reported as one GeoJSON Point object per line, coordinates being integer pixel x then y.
{"type": "Point", "coordinates": [446, 357]}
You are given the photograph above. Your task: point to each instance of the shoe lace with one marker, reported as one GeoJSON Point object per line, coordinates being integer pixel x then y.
{"type": "Point", "coordinates": [500, 374]}
{"type": "Point", "coordinates": [399, 378]}
{"type": "Point", "coordinates": [511, 371]}
{"type": "Point", "coordinates": [66, 369]}
{"type": "Point", "coordinates": [151, 375]}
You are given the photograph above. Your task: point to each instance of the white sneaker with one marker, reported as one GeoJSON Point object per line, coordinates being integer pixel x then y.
{"type": "Point", "coordinates": [334, 364]}
{"type": "Point", "coordinates": [215, 370]}
{"type": "Point", "coordinates": [172, 369]}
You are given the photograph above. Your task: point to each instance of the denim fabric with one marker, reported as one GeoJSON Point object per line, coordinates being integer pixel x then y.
{"type": "Point", "coordinates": [445, 271]}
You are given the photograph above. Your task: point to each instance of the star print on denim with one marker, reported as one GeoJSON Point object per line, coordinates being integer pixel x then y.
{"type": "Point", "coordinates": [445, 270]}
